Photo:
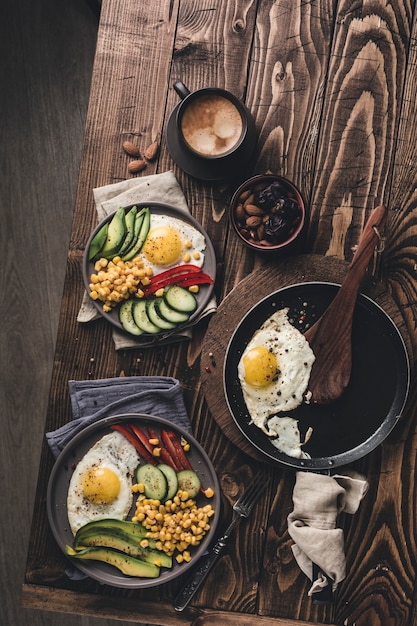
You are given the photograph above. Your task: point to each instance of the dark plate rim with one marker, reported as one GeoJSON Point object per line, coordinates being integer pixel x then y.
{"type": "Point", "coordinates": [56, 502]}
{"type": "Point", "coordinates": [209, 266]}
{"type": "Point", "coordinates": [326, 463]}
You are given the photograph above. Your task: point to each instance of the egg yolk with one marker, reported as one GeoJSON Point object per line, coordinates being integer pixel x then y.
{"type": "Point", "coordinates": [260, 366]}
{"type": "Point", "coordinates": [101, 485]}
{"type": "Point", "coordinates": [163, 245]}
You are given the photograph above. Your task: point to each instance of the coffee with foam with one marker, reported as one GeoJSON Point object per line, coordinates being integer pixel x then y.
{"type": "Point", "coordinates": [211, 125]}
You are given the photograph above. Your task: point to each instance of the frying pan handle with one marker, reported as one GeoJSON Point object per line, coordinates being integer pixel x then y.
{"type": "Point", "coordinates": [325, 596]}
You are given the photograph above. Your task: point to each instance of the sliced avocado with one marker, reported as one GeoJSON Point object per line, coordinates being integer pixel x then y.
{"type": "Point", "coordinates": [130, 230]}
{"type": "Point", "coordinates": [126, 564]}
{"type": "Point", "coordinates": [118, 540]}
{"type": "Point", "coordinates": [143, 233]}
{"type": "Point", "coordinates": [116, 234]}
{"type": "Point", "coordinates": [132, 528]}
{"type": "Point", "coordinates": [97, 241]}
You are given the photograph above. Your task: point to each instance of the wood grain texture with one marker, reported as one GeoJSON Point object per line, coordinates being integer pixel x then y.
{"type": "Point", "coordinates": [332, 88]}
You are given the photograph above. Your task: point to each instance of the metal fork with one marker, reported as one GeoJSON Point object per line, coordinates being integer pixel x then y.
{"type": "Point", "coordinates": [242, 508]}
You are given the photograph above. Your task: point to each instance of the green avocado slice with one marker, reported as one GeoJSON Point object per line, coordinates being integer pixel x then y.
{"type": "Point", "coordinates": [126, 564]}
{"type": "Point", "coordinates": [145, 216]}
{"type": "Point", "coordinates": [116, 234]}
{"type": "Point", "coordinates": [118, 540]}
{"type": "Point", "coordinates": [97, 242]}
{"type": "Point", "coordinates": [130, 230]}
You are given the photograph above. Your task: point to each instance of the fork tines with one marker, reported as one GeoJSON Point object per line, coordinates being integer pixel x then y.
{"type": "Point", "coordinates": [252, 492]}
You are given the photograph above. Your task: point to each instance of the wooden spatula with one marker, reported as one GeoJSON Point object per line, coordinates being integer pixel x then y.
{"type": "Point", "coordinates": [330, 337]}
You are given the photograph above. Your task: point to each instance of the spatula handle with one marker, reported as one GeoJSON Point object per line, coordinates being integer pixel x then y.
{"type": "Point", "coordinates": [372, 231]}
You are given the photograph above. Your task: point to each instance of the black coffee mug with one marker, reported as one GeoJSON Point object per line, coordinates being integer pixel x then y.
{"type": "Point", "coordinates": [211, 133]}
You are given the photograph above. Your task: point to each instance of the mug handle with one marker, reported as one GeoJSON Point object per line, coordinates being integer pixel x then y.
{"type": "Point", "coordinates": [181, 89]}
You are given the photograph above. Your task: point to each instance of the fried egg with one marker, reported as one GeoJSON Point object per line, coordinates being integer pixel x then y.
{"type": "Point", "coordinates": [171, 242]}
{"type": "Point", "coordinates": [101, 485]}
{"type": "Point", "coordinates": [274, 369]}
{"type": "Point", "coordinates": [286, 437]}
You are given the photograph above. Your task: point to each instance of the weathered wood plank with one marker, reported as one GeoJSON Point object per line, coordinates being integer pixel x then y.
{"type": "Point", "coordinates": [359, 121]}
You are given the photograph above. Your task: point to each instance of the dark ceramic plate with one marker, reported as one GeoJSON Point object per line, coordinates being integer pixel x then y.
{"type": "Point", "coordinates": [209, 266]}
{"type": "Point", "coordinates": [58, 490]}
{"type": "Point", "coordinates": [363, 417]}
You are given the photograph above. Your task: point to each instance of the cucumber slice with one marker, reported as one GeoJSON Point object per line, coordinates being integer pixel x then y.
{"type": "Point", "coordinates": [145, 216]}
{"type": "Point", "coordinates": [172, 480]}
{"type": "Point", "coordinates": [165, 311]}
{"type": "Point", "coordinates": [130, 230]}
{"type": "Point", "coordinates": [155, 317]}
{"type": "Point", "coordinates": [180, 299]}
{"type": "Point", "coordinates": [154, 481]}
{"type": "Point", "coordinates": [189, 481]}
{"type": "Point", "coordinates": [126, 318]}
{"type": "Point", "coordinates": [141, 318]}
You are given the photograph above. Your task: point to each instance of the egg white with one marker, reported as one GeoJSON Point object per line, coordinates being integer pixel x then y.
{"type": "Point", "coordinates": [286, 437]}
{"type": "Point", "coordinates": [113, 452]}
{"type": "Point", "coordinates": [294, 360]}
{"type": "Point", "coordinates": [187, 232]}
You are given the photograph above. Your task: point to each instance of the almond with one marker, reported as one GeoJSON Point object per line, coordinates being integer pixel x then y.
{"type": "Point", "coordinates": [252, 209]}
{"type": "Point", "coordinates": [260, 231]}
{"type": "Point", "coordinates": [151, 151]}
{"type": "Point", "coordinates": [249, 200]}
{"type": "Point", "coordinates": [245, 195]}
{"type": "Point", "coordinates": [240, 213]}
{"type": "Point", "coordinates": [131, 149]}
{"type": "Point", "coordinates": [253, 221]}
{"type": "Point", "coordinates": [136, 166]}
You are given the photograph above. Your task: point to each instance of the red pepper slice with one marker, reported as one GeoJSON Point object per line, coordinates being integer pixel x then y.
{"type": "Point", "coordinates": [174, 271]}
{"type": "Point", "coordinates": [143, 438]}
{"type": "Point", "coordinates": [171, 449]}
{"type": "Point", "coordinates": [186, 279]}
{"type": "Point", "coordinates": [135, 441]}
{"type": "Point", "coordinates": [198, 279]}
{"type": "Point", "coordinates": [174, 446]}
{"type": "Point", "coordinates": [165, 455]}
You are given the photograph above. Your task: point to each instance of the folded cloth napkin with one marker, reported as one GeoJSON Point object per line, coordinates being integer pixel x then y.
{"type": "Point", "coordinates": [92, 400]}
{"type": "Point", "coordinates": [156, 187]}
{"type": "Point", "coordinates": [318, 499]}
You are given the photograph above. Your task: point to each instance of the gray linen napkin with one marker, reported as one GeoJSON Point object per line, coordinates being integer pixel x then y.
{"type": "Point", "coordinates": [92, 400]}
{"type": "Point", "coordinates": [318, 500]}
{"type": "Point", "coordinates": [156, 187]}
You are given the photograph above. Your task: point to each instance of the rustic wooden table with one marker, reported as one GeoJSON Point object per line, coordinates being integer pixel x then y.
{"type": "Point", "coordinates": [333, 90]}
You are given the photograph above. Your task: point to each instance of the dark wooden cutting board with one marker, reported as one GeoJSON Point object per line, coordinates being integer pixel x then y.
{"type": "Point", "coordinates": [259, 284]}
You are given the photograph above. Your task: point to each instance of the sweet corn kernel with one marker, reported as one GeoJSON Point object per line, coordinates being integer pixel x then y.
{"type": "Point", "coordinates": [194, 288]}
{"type": "Point", "coordinates": [196, 254]}
{"type": "Point", "coordinates": [172, 528]}
{"type": "Point", "coordinates": [159, 292]}
{"type": "Point", "coordinates": [187, 257]}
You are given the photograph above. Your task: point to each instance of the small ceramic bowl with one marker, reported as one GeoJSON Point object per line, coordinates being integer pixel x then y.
{"type": "Point", "coordinates": [267, 213]}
